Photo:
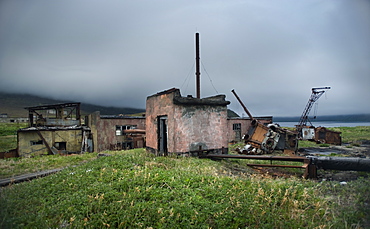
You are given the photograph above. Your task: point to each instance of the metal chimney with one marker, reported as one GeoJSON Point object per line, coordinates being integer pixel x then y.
{"type": "Point", "coordinates": [197, 64]}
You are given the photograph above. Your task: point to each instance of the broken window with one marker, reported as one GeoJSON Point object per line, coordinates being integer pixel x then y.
{"type": "Point", "coordinates": [61, 145]}
{"type": "Point", "coordinates": [237, 127]}
{"type": "Point", "coordinates": [120, 129]}
{"type": "Point", "coordinates": [39, 142]}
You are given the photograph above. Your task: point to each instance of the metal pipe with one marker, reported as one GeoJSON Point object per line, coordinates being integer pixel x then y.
{"type": "Point", "coordinates": [197, 64]}
{"type": "Point", "coordinates": [241, 103]}
{"type": "Point", "coordinates": [257, 157]}
{"type": "Point", "coordinates": [341, 163]}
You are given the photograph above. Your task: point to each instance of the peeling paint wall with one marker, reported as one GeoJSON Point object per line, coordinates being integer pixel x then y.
{"type": "Point", "coordinates": [104, 129]}
{"type": "Point", "coordinates": [199, 127]}
{"type": "Point", "coordinates": [30, 143]}
{"type": "Point", "coordinates": [160, 105]}
{"type": "Point", "coordinates": [189, 126]}
{"type": "Point", "coordinates": [245, 124]}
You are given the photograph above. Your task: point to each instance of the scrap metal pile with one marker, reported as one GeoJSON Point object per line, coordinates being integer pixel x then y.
{"type": "Point", "coordinates": [261, 139]}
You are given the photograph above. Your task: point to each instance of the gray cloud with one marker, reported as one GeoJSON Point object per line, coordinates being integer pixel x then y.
{"type": "Point", "coordinates": [117, 53]}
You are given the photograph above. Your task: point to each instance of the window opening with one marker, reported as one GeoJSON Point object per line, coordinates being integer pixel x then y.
{"type": "Point", "coordinates": [61, 145]}
{"type": "Point", "coordinates": [39, 142]}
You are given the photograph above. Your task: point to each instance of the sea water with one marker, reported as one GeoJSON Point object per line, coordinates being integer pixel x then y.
{"type": "Point", "coordinates": [327, 124]}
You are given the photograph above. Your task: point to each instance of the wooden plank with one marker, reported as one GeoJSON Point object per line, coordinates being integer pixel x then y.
{"type": "Point", "coordinates": [27, 177]}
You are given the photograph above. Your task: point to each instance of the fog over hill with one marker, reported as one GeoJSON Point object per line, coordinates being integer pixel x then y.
{"type": "Point", "coordinates": [14, 105]}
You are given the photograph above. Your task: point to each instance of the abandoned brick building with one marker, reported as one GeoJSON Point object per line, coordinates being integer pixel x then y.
{"type": "Point", "coordinates": [238, 126]}
{"type": "Point", "coordinates": [176, 124]}
{"type": "Point", "coordinates": [172, 124]}
{"type": "Point", "coordinates": [116, 132]}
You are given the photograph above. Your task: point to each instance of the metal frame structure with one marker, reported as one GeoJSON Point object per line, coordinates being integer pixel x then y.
{"type": "Point", "coordinates": [316, 94]}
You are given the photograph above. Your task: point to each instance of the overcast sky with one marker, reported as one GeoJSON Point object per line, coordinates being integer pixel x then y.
{"type": "Point", "coordinates": [118, 52]}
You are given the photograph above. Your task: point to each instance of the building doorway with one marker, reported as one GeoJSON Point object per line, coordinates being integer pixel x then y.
{"type": "Point", "coordinates": [162, 135]}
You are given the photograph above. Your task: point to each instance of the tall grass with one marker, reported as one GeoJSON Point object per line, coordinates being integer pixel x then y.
{"type": "Point", "coordinates": [8, 135]}
{"type": "Point", "coordinates": [134, 189]}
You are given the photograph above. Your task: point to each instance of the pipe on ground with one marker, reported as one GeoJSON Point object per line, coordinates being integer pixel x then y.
{"type": "Point", "coordinates": [341, 163]}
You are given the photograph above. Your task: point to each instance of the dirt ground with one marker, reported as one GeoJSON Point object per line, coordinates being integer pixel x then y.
{"type": "Point", "coordinates": [361, 151]}
{"type": "Point", "coordinates": [346, 150]}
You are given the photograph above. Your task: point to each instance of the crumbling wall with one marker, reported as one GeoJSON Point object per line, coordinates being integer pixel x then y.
{"type": "Point", "coordinates": [192, 123]}
{"type": "Point", "coordinates": [159, 105]}
{"type": "Point", "coordinates": [104, 129]}
{"type": "Point", "coordinates": [199, 127]}
{"type": "Point", "coordinates": [31, 144]}
{"type": "Point", "coordinates": [245, 124]}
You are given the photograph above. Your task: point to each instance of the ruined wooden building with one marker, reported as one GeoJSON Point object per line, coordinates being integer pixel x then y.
{"type": "Point", "coordinates": [54, 129]}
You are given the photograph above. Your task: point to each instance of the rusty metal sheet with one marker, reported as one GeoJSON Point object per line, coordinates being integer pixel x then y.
{"type": "Point", "coordinates": [324, 135]}
{"type": "Point", "coordinates": [256, 132]}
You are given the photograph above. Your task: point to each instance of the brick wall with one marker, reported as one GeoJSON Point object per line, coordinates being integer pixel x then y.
{"type": "Point", "coordinates": [104, 129]}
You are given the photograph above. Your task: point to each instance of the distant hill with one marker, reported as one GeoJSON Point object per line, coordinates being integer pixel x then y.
{"type": "Point", "coordinates": [333, 118]}
{"type": "Point", "coordinates": [14, 104]}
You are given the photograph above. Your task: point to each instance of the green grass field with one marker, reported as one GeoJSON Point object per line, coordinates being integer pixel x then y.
{"type": "Point", "coordinates": [135, 189]}
{"type": "Point", "coordinates": [8, 135]}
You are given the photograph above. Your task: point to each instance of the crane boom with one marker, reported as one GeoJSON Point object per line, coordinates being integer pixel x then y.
{"type": "Point", "coordinates": [316, 94]}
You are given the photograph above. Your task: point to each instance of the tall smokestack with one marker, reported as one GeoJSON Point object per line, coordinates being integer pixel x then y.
{"type": "Point", "coordinates": [197, 64]}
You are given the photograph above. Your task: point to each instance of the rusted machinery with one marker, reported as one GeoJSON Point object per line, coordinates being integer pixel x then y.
{"type": "Point", "coordinates": [311, 133]}
{"type": "Point", "coordinates": [324, 135]}
{"type": "Point", "coordinates": [262, 139]}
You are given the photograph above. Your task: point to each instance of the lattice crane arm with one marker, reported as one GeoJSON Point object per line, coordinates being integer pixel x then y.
{"type": "Point", "coordinates": [316, 94]}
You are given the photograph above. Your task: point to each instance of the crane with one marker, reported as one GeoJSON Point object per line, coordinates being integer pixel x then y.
{"type": "Point", "coordinates": [316, 94]}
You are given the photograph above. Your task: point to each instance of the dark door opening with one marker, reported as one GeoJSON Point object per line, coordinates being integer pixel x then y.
{"type": "Point", "coordinates": [162, 135]}
{"type": "Point", "coordinates": [61, 145]}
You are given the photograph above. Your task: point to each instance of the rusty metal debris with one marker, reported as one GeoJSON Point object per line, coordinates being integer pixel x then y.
{"type": "Point", "coordinates": [310, 163]}
{"type": "Point", "coordinates": [261, 139]}
{"type": "Point", "coordinates": [310, 168]}
{"type": "Point", "coordinates": [324, 135]}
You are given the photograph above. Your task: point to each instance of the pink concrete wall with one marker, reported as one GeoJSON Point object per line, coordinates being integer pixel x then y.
{"type": "Point", "coordinates": [189, 126]}
{"type": "Point", "coordinates": [107, 130]}
{"type": "Point", "coordinates": [104, 129]}
{"type": "Point", "coordinates": [245, 124]}
{"type": "Point", "coordinates": [158, 106]}
{"type": "Point", "coordinates": [199, 126]}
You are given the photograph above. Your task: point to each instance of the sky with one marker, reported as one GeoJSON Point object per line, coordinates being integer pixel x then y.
{"type": "Point", "coordinates": [119, 52]}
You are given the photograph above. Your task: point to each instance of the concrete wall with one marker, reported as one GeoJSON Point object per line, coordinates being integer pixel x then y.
{"type": "Point", "coordinates": [159, 105]}
{"type": "Point", "coordinates": [191, 124]}
{"type": "Point", "coordinates": [104, 129]}
{"type": "Point", "coordinates": [199, 127]}
{"type": "Point", "coordinates": [245, 123]}
{"type": "Point", "coordinates": [73, 139]}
